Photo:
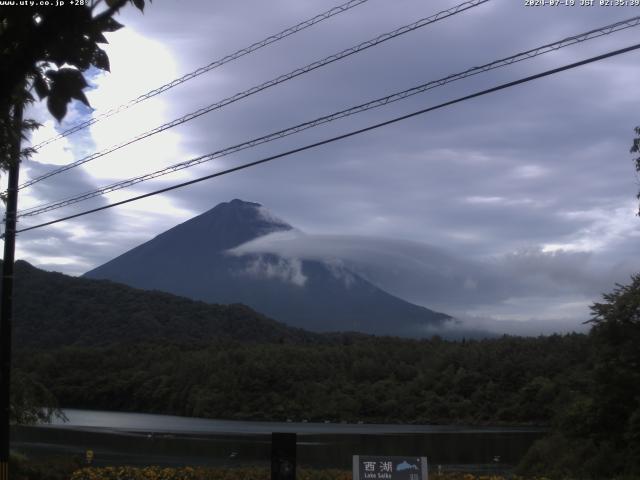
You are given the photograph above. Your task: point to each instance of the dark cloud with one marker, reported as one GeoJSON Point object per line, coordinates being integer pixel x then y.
{"type": "Point", "coordinates": [533, 183]}
{"type": "Point", "coordinates": [435, 277]}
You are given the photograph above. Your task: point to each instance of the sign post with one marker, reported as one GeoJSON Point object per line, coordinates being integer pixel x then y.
{"type": "Point", "coordinates": [366, 467]}
{"type": "Point", "coordinates": [283, 456]}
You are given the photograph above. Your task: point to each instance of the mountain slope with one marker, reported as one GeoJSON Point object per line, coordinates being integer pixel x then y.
{"type": "Point", "coordinates": [191, 260]}
{"type": "Point", "coordinates": [53, 310]}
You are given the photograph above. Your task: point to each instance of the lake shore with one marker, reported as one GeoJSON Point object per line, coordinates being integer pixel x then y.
{"type": "Point", "coordinates": [142, 440]}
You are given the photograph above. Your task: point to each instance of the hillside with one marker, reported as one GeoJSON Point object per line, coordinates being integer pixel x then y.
{"type": "Point", "coordinates": [53, 310]}
{"type": "Point", "coordinates": [100, 345]}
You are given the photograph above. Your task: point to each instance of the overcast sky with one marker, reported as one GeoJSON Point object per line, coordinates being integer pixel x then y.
{"type": "Point", "coordinates": [512, 211]}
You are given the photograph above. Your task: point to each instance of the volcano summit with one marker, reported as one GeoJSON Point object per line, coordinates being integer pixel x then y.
{"type": "Point", "coordinates": [193, 260]}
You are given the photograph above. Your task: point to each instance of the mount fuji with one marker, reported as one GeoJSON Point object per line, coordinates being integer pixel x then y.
{"type": "Point", "coordinates": [193, 260]}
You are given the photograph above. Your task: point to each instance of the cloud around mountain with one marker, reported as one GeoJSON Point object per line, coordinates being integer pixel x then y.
{"type": "Point", "coordinates": [484, 294]}
{"type": "Point", "coordinates": [192, 260]}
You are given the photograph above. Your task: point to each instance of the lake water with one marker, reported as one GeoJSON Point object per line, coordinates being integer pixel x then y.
{"type": "Point", "coordinates": [142, 439]}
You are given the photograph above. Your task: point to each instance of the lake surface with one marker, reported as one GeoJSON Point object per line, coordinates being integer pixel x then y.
{"type": "Point", "coordinates": [142, 439]}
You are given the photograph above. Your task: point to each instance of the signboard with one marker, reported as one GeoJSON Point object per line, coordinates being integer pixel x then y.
{"type": "Point", "coordinates": [283, 456]}
{"type": "Point", "coordinates": [367, 467]}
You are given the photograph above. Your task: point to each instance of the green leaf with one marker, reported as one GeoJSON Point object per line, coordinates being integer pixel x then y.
{"type": "Point", "coordinates": [139, 4]}
{"type": "Point", "coordinates": [110, 25]}
{"type": "Point", "coordinates": [98, 37]}
{"type": "Point", "coordinates": [69, 80]}
{"type": "Point", "coordinates": [101, 60]}
{"type": "Point", "coordinates": [30, 124]}
{"type": "Point", "coordinates": [84, 55]}
{"type": "Point", "coordinates": [66, 83]}
{"type": "Point", "coordinates": [81, 96]}
{"type": "Point", "coordinates": [57, 105]}
{"type": "Point", "coordinates": [40, 86]}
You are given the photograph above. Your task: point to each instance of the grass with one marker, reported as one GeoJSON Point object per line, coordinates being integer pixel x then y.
{"type": "Point", "coordinates": [202, 473]}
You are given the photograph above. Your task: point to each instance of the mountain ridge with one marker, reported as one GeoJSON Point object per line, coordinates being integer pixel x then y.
{"type": "Point", "coordinates": [52, 309]}
{"type": "Point", "coordinates": [191, 260]}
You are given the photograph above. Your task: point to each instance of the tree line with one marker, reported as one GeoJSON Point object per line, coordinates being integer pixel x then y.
{"type": "Point", "coordinates": [508, 380]}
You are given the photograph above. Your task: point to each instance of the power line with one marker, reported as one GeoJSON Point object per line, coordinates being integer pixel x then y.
{"type": "Point", "coordinates": [215, 64]}
{"type": "Point", "coordinates": [343, 136]}
{"type": "Point", "coordinates": [280, 79]}
{"type": "Point", "coordinates": [595, 33]}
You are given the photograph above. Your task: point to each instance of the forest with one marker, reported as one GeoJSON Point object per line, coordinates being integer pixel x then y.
{"type": "Point", "coordinates": [508, 380]}
{"type": "Point", "coordinates": [98, 345]}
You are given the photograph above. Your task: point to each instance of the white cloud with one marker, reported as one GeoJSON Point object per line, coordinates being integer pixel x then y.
{"type": "Point", "coordinates": [288, 270]}
{"type": "Point", "coordinates": [521, 286]}
{"type": "Point", "coordinates": [606, 227]}
{"type": "Point", "coordinates": [269, 217]}
{"type": "Point", "coordinates": [529, 171]}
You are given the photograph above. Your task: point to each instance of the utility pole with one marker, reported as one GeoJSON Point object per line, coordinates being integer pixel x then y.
{"type": "Point", "coordinates": [6, 310]}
